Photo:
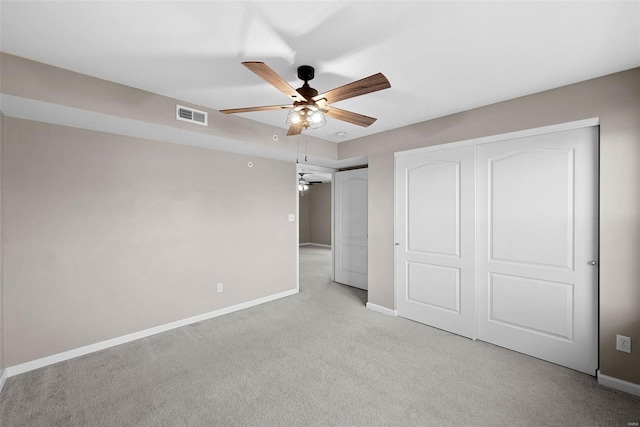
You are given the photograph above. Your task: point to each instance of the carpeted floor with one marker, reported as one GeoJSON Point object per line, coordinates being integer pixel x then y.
{"type": "Point", "coordinates": [315, 358]}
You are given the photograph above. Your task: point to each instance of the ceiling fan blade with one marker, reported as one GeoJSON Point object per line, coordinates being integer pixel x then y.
{"type": "Point", "coordinates": [250, 109]}
{"type": "Point", "coordinates": [314, 182]}
{"type": "Point", "coordinates": [295, 129]}
{"type": "Point", "coordinates": [360, 87]}
{"type": "Point", "coordinates": [350, 117]}
{"type": "Point", "coordinates": [271, 77]}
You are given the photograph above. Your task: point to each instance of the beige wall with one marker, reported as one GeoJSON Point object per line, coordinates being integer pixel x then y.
{"type": "Point", "coordinates": [2, 364]}
{"type": "Point", "coordinates": [33, 80]}
{"type": "Point", "coordinates": [108, 235]}
{"type": "Point", "coordinates": [320, 214]}
{"type": "Point", "coordinates": [315, 215]}
{"type": "Point", "coordinates": [303, 217]}
{"type": "Point", "coordinates": [149, 244]}
{"type": "Point", "coordinates": [615, 99]}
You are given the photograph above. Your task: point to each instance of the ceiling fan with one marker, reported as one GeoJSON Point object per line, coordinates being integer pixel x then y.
{"type": "Point", "coordinates": [305, 181]}
{"type": "Point", "coordinates": [303, 184]}
{"type": "Point", "coordinates": [309, 108]}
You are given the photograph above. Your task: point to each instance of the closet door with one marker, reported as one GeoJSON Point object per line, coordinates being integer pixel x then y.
{"type": "Point", "coordinates": [537, 246]}
{"type": "Point", "coordinates": [435, 239]}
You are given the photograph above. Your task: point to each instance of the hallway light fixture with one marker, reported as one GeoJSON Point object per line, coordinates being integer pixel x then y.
{"type": "Point", "coordinates": [303, 185]}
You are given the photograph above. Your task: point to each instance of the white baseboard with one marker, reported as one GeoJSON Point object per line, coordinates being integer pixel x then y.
{"type": "Point", "coordinates": [381, 309]}
{"type": "Point", "coordinates": [304, 244]}
{"type": "Point", "coordinates": [615, 383]}
{"type": "Point", "coordinates": [3, 378]}
{"type": "Point", "coordinates": [81, 351]}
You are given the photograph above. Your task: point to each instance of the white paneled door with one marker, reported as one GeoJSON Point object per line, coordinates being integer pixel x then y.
{"type": "Point", "coordinates": [499, 241]}
{"type": "Point", "coordinates": [351, 227]}
{"type": "Point", "coordinates": [537, 246]}
{"type": "Point", "coordinates": [435, 239]}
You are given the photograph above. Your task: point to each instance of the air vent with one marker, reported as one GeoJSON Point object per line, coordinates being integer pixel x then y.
{"type": "Point", "coordinates": [187, 114]}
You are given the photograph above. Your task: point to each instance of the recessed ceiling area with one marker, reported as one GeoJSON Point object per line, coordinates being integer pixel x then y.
{"type": "Point", "coordinates": [440, 57]}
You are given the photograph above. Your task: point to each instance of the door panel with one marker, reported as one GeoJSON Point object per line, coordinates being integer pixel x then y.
{"type": "Point", "coordinates": [351, 227]}
{"type": "Point", "coordinates": [434, 286]}
{"type": "Point", "coordinates": [435, 226]}
{"type": "Point", "coordinates": [536, 188]}
{"type": "Point", "coordinates": [354, 258]}
{"type": "Point", "coordinates": [537, 233]}
{"type": "Point", "coordinates": [435, 239]}
{"type": "Point", "coordinates": [533, 305]}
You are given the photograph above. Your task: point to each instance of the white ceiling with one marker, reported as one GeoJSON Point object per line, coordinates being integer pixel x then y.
{"type": "Point", "coordinates": [440, 57]}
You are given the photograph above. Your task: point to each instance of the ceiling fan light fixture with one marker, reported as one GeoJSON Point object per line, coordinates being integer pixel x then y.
{"type": "Point", "coordinates": [317, 118]}
{"type": "Point", "coordinates": [303, 184]}
{"type": "Point", "coordinates": [293, 118]}
{"type": "Point", "coordinates": [308, 115]}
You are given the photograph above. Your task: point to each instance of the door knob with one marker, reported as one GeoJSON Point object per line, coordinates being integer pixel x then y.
{"type": "Point", "coordinates": [593, 263]}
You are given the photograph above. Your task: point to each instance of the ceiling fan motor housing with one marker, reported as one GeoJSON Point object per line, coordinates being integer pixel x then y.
{"type": "Point", "coordinates": [306, 73]}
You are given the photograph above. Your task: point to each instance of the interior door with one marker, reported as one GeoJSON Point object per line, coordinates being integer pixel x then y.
{"type": "Point", "coordinates": [435, 239]}
{"type": "Point", "coordinates": [351, 227]}
{"type": "Point", "coordinates": [537, 245]}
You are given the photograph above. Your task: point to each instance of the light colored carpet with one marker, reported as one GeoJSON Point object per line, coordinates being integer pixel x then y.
{"type": "Point", "coordinates": [315, 358]}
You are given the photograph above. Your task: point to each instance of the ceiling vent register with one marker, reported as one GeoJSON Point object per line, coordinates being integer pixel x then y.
{"type": "Point", "coordinates": [187, 114]}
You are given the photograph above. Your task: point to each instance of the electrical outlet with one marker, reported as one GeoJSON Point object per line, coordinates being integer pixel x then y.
{"type": "Point", "coordinates": [623, 343]}
{"type": "Point", "coordinates": [219, 287]}
{"type": "Point", "coordinates": [292, 217]}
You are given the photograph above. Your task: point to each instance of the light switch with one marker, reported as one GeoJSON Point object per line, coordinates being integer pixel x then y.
{"type": "Point", "coordinates": [292, 217]}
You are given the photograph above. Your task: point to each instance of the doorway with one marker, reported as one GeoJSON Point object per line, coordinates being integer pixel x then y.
{"type": "Point", "coordinates": [333, 215]}
{"type": "Point", "coordinates": [315, 219]}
